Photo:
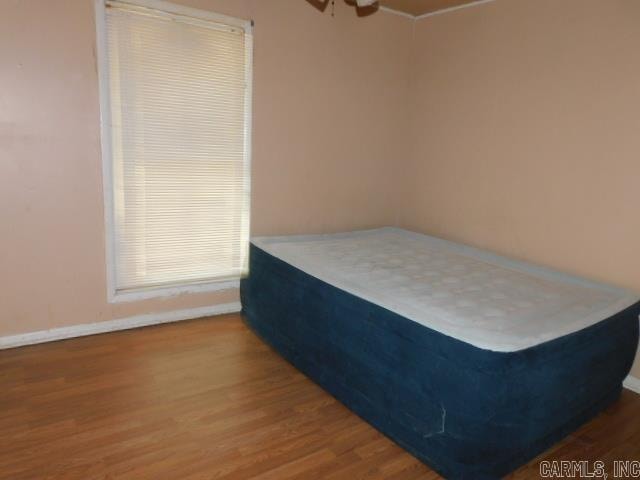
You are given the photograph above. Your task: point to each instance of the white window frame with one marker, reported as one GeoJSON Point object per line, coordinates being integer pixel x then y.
{"type": "Point", "coordinates": [113, 295]}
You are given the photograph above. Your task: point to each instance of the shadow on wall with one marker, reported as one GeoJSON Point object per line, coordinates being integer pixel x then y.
{"type": "Point", "coordinates": [319, 4]}
{"type": "Point", "coordinates": [360, 11]}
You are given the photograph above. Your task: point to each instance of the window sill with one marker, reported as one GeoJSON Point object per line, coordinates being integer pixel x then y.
{"type": "Point", "coordinates": [171, 291]}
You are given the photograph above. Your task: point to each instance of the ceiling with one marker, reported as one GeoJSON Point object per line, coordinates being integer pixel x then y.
{"type": "Point", "coordinates": [420, 7]}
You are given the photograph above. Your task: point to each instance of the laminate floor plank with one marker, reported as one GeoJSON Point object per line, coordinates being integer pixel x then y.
{"type": "Point", "coordinates": [206, 399]}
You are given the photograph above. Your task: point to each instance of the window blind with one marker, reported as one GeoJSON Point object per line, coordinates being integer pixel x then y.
{"type": "Point", "coordinates": [179, 100]}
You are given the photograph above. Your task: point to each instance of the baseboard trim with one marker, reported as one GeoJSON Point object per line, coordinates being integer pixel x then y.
{"type": "Point", "coordinates": [128, 323]}
{"type": "Point", "coordinates": [632, 383]}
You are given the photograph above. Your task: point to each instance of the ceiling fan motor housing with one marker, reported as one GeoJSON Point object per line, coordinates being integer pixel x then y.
{"type": "Point", "coordinates": [365, 3]}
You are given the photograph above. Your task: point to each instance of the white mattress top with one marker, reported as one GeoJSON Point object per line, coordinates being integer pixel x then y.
{"type": "Point", "coordinates": [478, 297]}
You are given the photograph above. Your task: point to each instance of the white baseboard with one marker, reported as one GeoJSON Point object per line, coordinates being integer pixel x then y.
{"type": "Point", "coordinates": [632, 383]}
{"type": "Point", "coordinates": [137, 321]}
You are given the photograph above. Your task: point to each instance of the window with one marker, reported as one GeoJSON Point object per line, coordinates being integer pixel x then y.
{"type": "Point", "coordinates": [175, 88]}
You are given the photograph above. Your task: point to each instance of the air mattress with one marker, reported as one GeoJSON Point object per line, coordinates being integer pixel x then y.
{"type": "Point", "coordinates": [473, 362]}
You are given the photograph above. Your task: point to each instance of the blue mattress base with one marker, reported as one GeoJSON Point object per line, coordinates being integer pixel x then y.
{"type": "Point", "coordinates": [468, 413]}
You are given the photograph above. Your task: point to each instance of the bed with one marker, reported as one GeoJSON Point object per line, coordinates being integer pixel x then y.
{"type": "Point", "coordinates": [472, 362]}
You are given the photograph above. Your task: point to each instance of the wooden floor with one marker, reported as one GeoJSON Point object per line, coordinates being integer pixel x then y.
{"type": "Point", "coordinates": [206, 399]}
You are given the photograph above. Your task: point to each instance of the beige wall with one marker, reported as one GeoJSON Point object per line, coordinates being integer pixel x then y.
{"type": "Point", "coordinates": [526, 133]}
{"type": "Point", "coordinates": [512, 126]}
{"type": "Point", "coordinates": [330, 97]}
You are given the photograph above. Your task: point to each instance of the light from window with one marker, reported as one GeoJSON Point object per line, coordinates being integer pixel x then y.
{"type": "Point", "coordinates": [176, 134]}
